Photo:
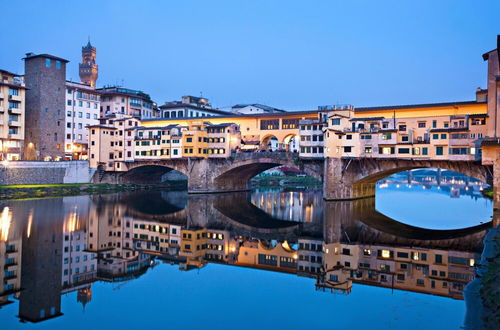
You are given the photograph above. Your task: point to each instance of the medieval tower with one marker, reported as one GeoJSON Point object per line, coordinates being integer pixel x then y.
{"type": "Point", "coordinates": [88, 68]}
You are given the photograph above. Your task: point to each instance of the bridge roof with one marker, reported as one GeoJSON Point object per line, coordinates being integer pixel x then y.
{"type": "Point", "coordinates": [424, 105]}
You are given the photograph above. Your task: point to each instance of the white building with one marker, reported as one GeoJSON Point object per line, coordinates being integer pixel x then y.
{"type": "Point", "coordinates": [251, 109]}
{"type": "Point", "coordinates": [189, 107]}
{"type": "Point", "coordinates": [311, 138]}
{"type": "Point", "coordinates": [83, 105]}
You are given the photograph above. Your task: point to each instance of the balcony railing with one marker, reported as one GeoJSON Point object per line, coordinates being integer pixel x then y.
{"type": "Point", "coordinates": [15, 98]}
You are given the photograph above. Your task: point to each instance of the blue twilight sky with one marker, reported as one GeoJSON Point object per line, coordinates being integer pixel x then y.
{"type": "Point", "coordinates": [287, 54]}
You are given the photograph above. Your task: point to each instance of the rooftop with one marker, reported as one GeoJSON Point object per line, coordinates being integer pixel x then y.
{"type": "Point", "coordinates": [425, 105]}
{"type": "Point", "coordinates": [118, 90]}
{"type": "Point", "coordinates": [33, 55]}
{"type": "Point", "coordinates": [257, 105]}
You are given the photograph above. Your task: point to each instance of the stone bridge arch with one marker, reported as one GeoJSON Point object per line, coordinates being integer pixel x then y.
{"type": "Point", "coordinates": [144, 172]}
{"type": "Point", "coordinates": [347, 179]}
{"type": "Point", "coordinates": [359, 221]}
{"type": "Point", "coordinates": [233, 174]}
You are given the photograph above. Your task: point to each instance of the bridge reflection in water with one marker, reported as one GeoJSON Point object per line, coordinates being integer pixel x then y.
{"type": "Point", "coordinates": [53, 246]}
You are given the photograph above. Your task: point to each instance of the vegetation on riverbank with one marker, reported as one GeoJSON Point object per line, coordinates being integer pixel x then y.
{"type": "Point", "coordinates": [488, 193]}
{"type": "Point", "coordinates": [490, 289]}
{"type": "Point", "coordinates": [284, 181]}
{"type": "Point", "coordinates": [16, 192]}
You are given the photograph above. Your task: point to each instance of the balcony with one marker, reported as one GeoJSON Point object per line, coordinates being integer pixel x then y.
{"type": "Point", "coordinates": [15, 111]}
{"type": "Point", "coordinates": [15, 136]}
{"type": "Point", "coordinates": [15, 98]}
{"type": "Point", "coordinates": [14, 123]}
{"type": "Point", "coordinates": [1, 96]}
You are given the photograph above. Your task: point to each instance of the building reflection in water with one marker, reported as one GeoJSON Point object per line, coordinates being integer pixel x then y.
{"type": "Point", "coordinates": [54, 246]}
{"type": "Point", "coordinates": [302, 205]}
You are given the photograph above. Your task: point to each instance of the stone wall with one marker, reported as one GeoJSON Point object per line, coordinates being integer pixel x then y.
{"type": "Point", "coordinates": [25, 172]}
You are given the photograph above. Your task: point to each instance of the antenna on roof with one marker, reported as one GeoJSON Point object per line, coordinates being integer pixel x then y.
{"type": "Point", "coordinates": [201, 94]}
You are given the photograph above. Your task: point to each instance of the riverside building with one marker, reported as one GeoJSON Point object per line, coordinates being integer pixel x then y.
{"type": "Point", "coordinates": [12, 115]}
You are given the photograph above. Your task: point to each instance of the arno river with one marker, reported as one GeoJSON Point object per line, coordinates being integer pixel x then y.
{"type": "Point", "coordinates": [281, 257]}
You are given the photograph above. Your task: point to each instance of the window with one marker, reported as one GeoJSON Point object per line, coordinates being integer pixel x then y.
{"type": "Point", "coordinates": [434, 123]}
{"type": "Point", "coordinates": [47, 62]}
{"type": "Point", "coordinates": [386, 136]}
{"type": "Point", "coordinates": [421, 124]}
{"type": "Point", "coordinates": [439, 151]}
{"type": "Point", "coordinates": [290, 123]}
{"type": "Point", "coordinates": [268, 124]}
{"type": "Point", "coordinates": [58, 65]}
{"type": "Point", "coordinates": [347, 149]}
{"type": "Point", "coordinates": [404, 150]}
{"type": "Point", "coordinates": [336, 121]}
{"type": "Point", "coordinates": [438, 259]}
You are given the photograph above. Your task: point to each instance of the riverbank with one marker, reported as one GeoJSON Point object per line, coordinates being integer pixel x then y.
{"type": "Point", "coordinates": [17, 192]}
{"type": "Point", "coordinates": [490, 279]}
{"type": "Point", "coordinates": [283, 181]}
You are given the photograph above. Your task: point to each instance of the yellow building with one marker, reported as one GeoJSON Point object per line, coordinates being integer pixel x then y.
{"type": "Point", "coordinates": [12, 115]}
{"type": "Point", "coordinates": [193, 248]}
{"type": "Point", "coordinates": [259, 254]}
{"type": "Point", "coordinates": [195, 140]}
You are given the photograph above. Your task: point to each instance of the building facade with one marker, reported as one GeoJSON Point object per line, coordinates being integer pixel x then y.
{"type": "Point", "coordinates": [83, 104]}
{"type": "Point", "coordinates": [12, 115]}
{"type": "Point", "coordinates": [125, 101]}
{"type": "Point", "coordinates": [45, 78]}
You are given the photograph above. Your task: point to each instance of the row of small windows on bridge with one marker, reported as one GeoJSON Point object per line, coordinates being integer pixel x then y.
{"type": "Point", "coordinates": [414, 151]}
{"type": "Point", "coordinates": [420, 124]}
{"type": "Point", "coordinates": [272, 124]}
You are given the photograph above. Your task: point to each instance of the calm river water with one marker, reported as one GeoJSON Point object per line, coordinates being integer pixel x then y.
{"type": "Point", "coordinates": [283, 258]}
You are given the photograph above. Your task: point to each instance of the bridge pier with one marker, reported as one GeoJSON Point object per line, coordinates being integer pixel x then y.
{"type": "Point", "coordinates": [339, 182]}
{"type": "Point", "coordinates": [496, 193]}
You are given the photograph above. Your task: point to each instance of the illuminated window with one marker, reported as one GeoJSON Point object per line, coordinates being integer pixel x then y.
{"type": "Point", "coordinates": [386, 254]}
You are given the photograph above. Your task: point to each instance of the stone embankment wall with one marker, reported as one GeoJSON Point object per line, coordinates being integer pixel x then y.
{"type": "Point", "coordinates": [32, 172]}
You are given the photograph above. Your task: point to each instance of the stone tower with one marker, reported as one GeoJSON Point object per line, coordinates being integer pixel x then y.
{"type": "Point", "coordinates": [88, 69]}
